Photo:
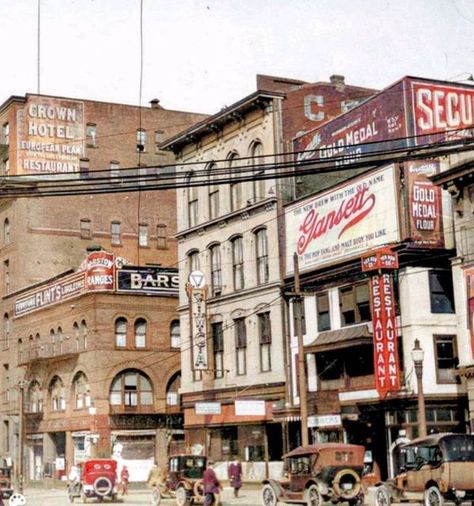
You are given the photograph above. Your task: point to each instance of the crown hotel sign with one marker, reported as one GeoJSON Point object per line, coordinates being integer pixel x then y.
{"type": "Point", "coordinates": [197, 293]}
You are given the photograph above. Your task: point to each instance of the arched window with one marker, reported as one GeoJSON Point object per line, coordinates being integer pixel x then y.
{"type": "Point", "coordinates": [140, 333]}
{"type": "Point", "coordinates": [6, 231]}
{"type": "Point", "coordinates": [52, 336]}
{"type": "Point", "coordinates": [216, 270]}
{"type": "Point", "coordinates": [238, 262]}
{"type": "Point", "coordinates": [77, 335]}
{"type": "Point", "coordinates": [172, 389]}
{"type": "Point", "coordinates": [262, 256]}
{"type": "Point", "coordinates": [121, 332]}
{"type": "Point", "coordinates": [82, 395]}
{"type": "Point", "coordinates": [84, 333]}
{"type": "Point", "coordinates": [193, 261]}
{"type": "Point", "coordinates": [131, 389]}
{"type": "Point", "coordinates": [6, 331]}
{"type": "Point", "coordinates": [213, 190]}
{"type": "Point", "coordinates": [235, 186]}
{"type": "Point", "coordinates": [59, 340]}
{"type": "Point", "coordinates": [258, 185]}
{"type": "Point", "coordinates": [175, 334]}
{"type": "Point", "coordinates": [34, 398]}
{"type": "Point", "coordinates": [57, 394]}
{"type": "Point", "coordinates": [193, 202]}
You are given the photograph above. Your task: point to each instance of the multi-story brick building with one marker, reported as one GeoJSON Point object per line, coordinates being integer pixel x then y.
{"type": "Point", "coordinates": [52, 138]}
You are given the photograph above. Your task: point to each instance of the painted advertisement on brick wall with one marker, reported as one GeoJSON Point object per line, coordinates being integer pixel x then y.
{"type": "Point", "coordinates": [50, 136]}
{"type": "Point", "coordinates": [343, 222]}
{"type": "Point", "coordinates": [425, 213]}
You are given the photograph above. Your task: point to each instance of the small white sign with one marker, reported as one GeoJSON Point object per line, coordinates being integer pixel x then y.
{"type": "Point", "coordinates": [197, 279]}
{"type": "Point", "coordinates": [207, 408]}
{"type": "Point", "coordinates": [324, 421]}
{"type": "Point", "coordinates": [250, 408]}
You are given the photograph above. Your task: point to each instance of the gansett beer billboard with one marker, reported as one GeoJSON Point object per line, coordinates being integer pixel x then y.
{"type": "Point", "coordinates": [408, 113]}
{"type": "Point", "coordinates": [343, 222]}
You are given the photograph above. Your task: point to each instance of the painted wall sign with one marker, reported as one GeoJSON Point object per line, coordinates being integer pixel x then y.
{"type": "Point", "coordinates": [100, 270]}
{"type": "Point", "coordinates": [386, 363]}
{"type": "Point", "coordinates": [148, 280]}
{"type": "Point", "coordinates": [198, 309]}
{"type": "Point", "coordinates": [425, 204]}
{"type": "Point", "coordinates": [51, 136]}
{"type": "Point", "coordinates": [343, 222]}
{"type": "Point", "coordinates": [207, 408]}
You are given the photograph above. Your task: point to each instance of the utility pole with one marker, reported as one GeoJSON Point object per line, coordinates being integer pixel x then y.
{"type": "Point", "coordinates": [297, 302]}
{"type": "Point", "coordinates": [21, 433]}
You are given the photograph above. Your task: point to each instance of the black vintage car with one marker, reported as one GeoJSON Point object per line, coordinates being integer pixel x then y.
{"type": "Point", "coordinates": [6, 489]}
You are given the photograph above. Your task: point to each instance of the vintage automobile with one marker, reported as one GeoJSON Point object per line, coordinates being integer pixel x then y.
{"type": "Point", "coordinates": [438, 467]}
{"type": "Point", "coordinates": [6, 489]}
{"type": "Point", "coordinates": [98, 479]}
{"type": "Point", "coordinates": [184, 481]}
{"type": "Point", "coordinates": [318, 473]}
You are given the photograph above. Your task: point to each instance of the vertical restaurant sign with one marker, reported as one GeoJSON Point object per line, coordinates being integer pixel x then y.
{"type": "Point", "coordinates": [386, 363]}
{"type": "Point", "coordinates": [444, 109]}
{"type": "Point", "coordinates": [469, 276]}
{"type": "Point", "coordinates": [356, 216]}
{"type": "Point", "coordinates": [100, 270]}
{"type": "Point", "coordinates": [424, 202]}
{"type": "Point", "coordinates": [198, 327]}
{"type": "Point", "coordinates": [50, 136]}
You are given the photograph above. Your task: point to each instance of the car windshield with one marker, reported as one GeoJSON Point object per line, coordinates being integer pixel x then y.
{"type": "Point", "coordinates": [458, 448]}
{"type": "Point", "coordinates": [194, 467]}
{"type": "Point", "coordinates": [299, 465]}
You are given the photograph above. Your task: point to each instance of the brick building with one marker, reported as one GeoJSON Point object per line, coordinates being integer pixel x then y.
{"type": "Point", "coordinates": [47, 138]}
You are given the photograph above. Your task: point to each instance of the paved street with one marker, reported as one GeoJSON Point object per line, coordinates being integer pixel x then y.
{"type": "Point", "coordinates": [58, 497]}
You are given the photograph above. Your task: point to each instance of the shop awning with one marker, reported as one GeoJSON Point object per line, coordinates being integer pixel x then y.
{"type": "Point", "coordinates": [340, 338]}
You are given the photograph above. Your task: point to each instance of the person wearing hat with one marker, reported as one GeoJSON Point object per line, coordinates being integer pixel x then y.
{"type": "Point", "coordinates": [234, 471]}
{"type": "Point", "coordinates": [211, 485]}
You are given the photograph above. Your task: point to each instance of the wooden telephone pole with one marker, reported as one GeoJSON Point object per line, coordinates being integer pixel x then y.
{"type": "Point", "coordinates": [297, 308]}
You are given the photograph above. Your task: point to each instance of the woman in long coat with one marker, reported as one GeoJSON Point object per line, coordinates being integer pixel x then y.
{"type": "Point", "coordinates": [234, 471]}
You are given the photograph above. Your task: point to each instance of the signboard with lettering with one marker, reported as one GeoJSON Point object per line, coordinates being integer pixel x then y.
{"type": "Point", "coordinates": [469, 276]}
{"type": "Point", "coordinates": [198, 316]}
{"type": "Point", "coordinates": [100, 269]}
{"type": "Point", "coordinates": [324, 421]}
{"type": "Point", "coordinates": [51, 135]}
{"type": "Point", "coordinates": [251, 407]}
{"type": "Point", "coordinates": [424, 204]}
{"type": "Point", "coordinates": [383, 258]}
{"type": "Point", "coordinates": [386, 363]}
{"type": "Point", "coordinates": [343, 222]}
{"type": "Point", "coordinates": [207, 408]}
{"type": "Point", "coordinates": [149, 280]}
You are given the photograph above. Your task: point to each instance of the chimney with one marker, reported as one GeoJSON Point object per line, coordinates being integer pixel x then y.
{"type": "Point", "coordinates": [155, 104]}
{"type": "Point", "coordinates": [338, 81]}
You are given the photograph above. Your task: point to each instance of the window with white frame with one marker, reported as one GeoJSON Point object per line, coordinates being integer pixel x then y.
{"type": "Point", "coordinates": [172, 390]}
{"type": "Point", "coordinates": [140, 333]}
{"type": "Point", "coordinates": [354, 303]}
{"type": "Point", "coordinates": [235, 185]}
{"type": "Point", "coordinates": [34, 398]}
{"type": "Point", "coordinates": [213, 190]}
{"type": "Point", "coordinates": [216, 269]}
{"type": "Point", "coordinates": [131, 389]}
{"type": "Point", "coordinates": [84, 168]}
{"type": "Point", "coordinates": [265, 339]}
{"type": "Point", "coordinates": [57, 394]}
{"type": "Point", "coordinates": [115, 233]}
{"type": "Point", "coordinates": [193, 261]}
{"type": "Point", "coordinates": [193, 205]}
{"type": "Point", "coordinates": [258, 185]}
{"type": "Point", "coordinates": [82, 395]}
{"type": "Point", "coordinates": [240, 329]}
{"type": "Point", "coordinates": [141, 139]}
{"type": "Point", "coordinates": [121, 332]}
{"type": "Point", "coordinates": [238, 262]}
{"type": "Point", "coordinates": [446, 358]}
{"type": "Point", "coordinates": [175, 334]}
{"type": "Point", "coordinates": [85, 228]}
{"type": "Point", "coordinates": [91, 135]}
{"type": "Point", "coordinates": [322, 306]}
{"type": "Point", "coordinates": [262, 256]}
{"type": "Point", "coordinates": [114, 170]}
{"type": "Point", "coordinates": [217, 333]}
{"type": "Point", "coordinates": [6, 134]}
{"type": "Point", "coordinates": [143, 235]}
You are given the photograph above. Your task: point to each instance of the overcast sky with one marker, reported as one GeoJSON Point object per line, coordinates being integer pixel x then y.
{"type": "Point", "coordinates": [200, 55]}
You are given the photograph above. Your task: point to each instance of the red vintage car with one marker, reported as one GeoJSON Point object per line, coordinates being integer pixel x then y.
{"type": "Point", "coordinates": [98, 479]}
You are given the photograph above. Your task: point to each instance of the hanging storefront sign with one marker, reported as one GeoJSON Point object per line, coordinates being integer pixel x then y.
{"type": "Point", "coordinates": [424, 204]}
{"type": "Point", "coordinates": [207, 408]}
{"type": "Point", "coordinates": [198, 318]}
{"type": "Point", "coordinates": [383, 258]}
{"type": "Point", "coordinates": [386, 363]}
{"type": "Point", "coordinates": [324, 421]}
{"type": "Point", "coordinates": [149, 280]}
{"type": "Point", "coordinates": [344, 222]}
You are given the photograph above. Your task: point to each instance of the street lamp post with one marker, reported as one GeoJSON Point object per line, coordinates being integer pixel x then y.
{"type": "Point", "coordinates": [418, 355]}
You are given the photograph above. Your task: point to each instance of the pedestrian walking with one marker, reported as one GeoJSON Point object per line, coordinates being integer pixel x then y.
{"type": "Point", "coordinates": [211, 486]}
{"type": "Point", "coordinates": [234, 472]}
{"type": "Point", "coordinates": [124, 478]}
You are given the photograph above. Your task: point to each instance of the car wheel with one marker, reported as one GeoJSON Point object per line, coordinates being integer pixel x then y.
{"type": "Point", "coordinates": [198, 490]}
{"type": "Point", "coordinates": [269, 497]}
{"type": "Point", "coordinates": [181, 496]}
{"type": "Point", "coordinates": [312, 496]}
{"type": "Point", "coordinates": [433, 497]}
{"type": "Point", "coordinates": [103, 486]}
{"type": "Point", "coordinates": [382, 497]}
{"type": "Point", "coordinates": [155, 496]}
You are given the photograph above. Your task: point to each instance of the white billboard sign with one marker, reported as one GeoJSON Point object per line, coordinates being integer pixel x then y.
{"type": "Point", "coordinates": [343, 222]}
{"type": "Point", "coordinates": [250, 408]}
{"type": "Point", "coordinates": [324, 421]}
{"type": "Point", "coordinates": [207, 408]}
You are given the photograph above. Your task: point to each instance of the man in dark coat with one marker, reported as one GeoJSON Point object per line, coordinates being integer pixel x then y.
{"type": "Point", "coordinates": [211, 485]}
{"type": "Point", "coordinates": [234, 471]}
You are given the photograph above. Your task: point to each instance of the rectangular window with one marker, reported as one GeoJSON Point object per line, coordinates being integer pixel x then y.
{"type": "Point", "coordinates": [193, 206]}
{"type": "Point", "coordinates": [6, 166]}
{"type": "Point", "coordinates": [141, 139]}
{"type": "Point", "coordinates": [85, 228]}
{"type": "Point", "coordinates": [241, 345]}
{"type": "Point", "coordinates": [91, 135]}
{"type": "Point", "coordinates": [115, 233]}
{"type": "Point", "coordinates": [143, 235]}
{"type": "Point", "coordinates": [6, 276]}
{"type": "Point", "coordinates": [159, 136]}
{"type": "Point", "coordinates": [218, 349]}
{"type": "Point", "coordinates": [216, 272]}
{"type": "Point", "coordinates": [262, 256]}
{"type": "Point", "coordinates": [84, 168]}
{"type": "Point", "coordinates": [265, 339]}
{"type": "Point", "coordinates": [441, 291]}
{"type": "Point", "coordinates": [6, 134]}
{"type": "Point", "coordinates": [354, 304]}
{"type": "Point", "coordinates": [6, 382]}
{"type": "Point", "coordinates": [161, 239]}
{"type": "Point", "coordinates": [446, 358]}
{"type": "Point", "coordinates": [238, 263]}
{"type": "Point", "coordinates": [114, 170]}
{"type": "Point", "coordinates": [322, 305]}
{"type": "Point", "coordinates": [301, 305]}
{"type": "Point", "coordinates": [213, 201]}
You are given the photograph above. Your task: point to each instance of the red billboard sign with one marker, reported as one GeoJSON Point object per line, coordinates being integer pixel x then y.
{"type": "Point", "coordinates": [100, 270]}
{"type": "Point", "coordinates": [424, 204]}
{"type": "Point", "coordinates": [386, 363]}
{"type": "Point", "coordinates": [469, 276]}
{"type": "Point", "coordinates": [383, 258]}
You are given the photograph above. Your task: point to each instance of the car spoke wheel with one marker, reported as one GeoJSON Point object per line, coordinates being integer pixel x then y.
{"type": "Point", "coordinates": [181, 496]}
{"type": "Point", "coordinates": [155, 496]}
{"type": "Point", "coordinates": [433, 497]}
{"type": "Point", "coordinates": [313, 496]}
{"type": "Point", "coordinates": [269, 497]}
{"type": "Point", "coordinates": [382, 497]}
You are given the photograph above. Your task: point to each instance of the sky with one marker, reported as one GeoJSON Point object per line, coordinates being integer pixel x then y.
{"type": "Point", "coordinates": [200, 55]}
